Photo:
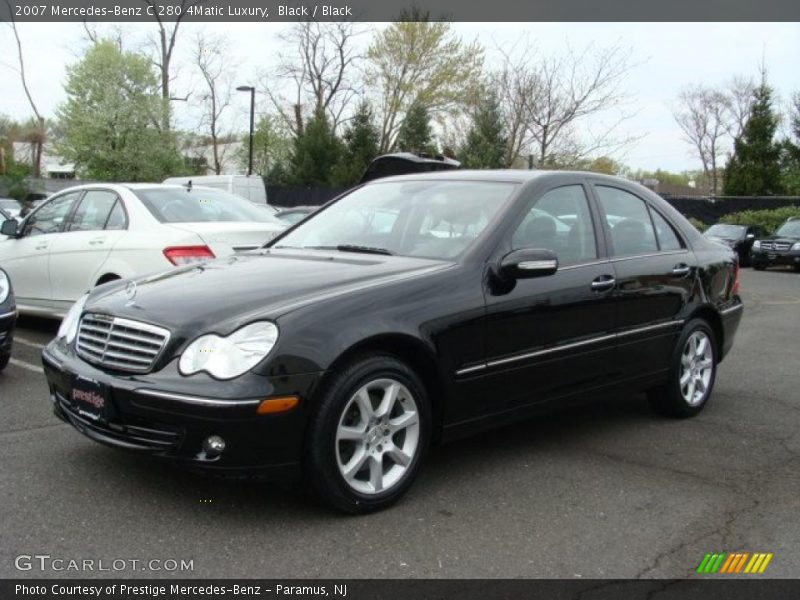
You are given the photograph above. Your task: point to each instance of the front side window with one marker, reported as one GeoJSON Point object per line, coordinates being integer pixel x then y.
{"type": "Point", "coordinates": [432, 219]}
{"type": "Point", "coordinates": [628, 220]}
{"type": "Point", "coordinates": [560, 221]}
{"type": "Point", "coordinates": [50, 217]}
{"type": "Point", "coordinates": [93, 211]}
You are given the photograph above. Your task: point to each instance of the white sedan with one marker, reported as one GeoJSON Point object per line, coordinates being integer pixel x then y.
{"type": "Point", "coordinates": [91, 234]}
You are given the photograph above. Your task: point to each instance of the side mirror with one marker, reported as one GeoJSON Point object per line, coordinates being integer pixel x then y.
{"type": "Point", "coordinates": [750, 236]}
{"type": "Point", "coordinates": [9, 227]}
{"type": "Point", "coordinates": [527, 263]}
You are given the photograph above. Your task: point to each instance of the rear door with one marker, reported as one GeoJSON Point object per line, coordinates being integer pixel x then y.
{"type": "Point", "coordinates": [655, 277]}
{"type": "Point", "coordinates": [553, 335]}
{"type": "Point", "coordinates": [77, 255]}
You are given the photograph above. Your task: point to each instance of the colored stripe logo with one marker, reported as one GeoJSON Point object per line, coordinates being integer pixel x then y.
{"type": "Point", "coordinates": [733, 563]}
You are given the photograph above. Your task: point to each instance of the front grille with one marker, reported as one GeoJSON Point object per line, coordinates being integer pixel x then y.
{"type": "Point", "coordinates": [120, 344]}
{"type": "Point", "coordinates": [778, 246]}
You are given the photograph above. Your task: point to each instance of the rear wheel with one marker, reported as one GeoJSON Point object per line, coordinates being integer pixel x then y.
{"type": "Point", "coordinates": [366, 442]}
{"type": "Point", "coordinates": [759, 266]}
{"type": "Point", "coordinates": [692, 373]}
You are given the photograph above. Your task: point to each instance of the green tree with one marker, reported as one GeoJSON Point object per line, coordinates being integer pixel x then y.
{"type": "Point", "coordinates": [361, 140]}
{"type": "Point", "coordinates": [271, 147]}
{"type": "Point", "coordinates": [754, 167]}
{"type": "Point", "coordinates": [315, 153]}
{"type": "Point", "coordinates": [791, 151]}
{"type": "Point", "coordinates": [420, 62]}
{"type": "Point", "coordinates": [415, 134]}
{"type": "Point", "coordinates": [111, 120]}
{"type": "Point", "coordinates": [485, 145]}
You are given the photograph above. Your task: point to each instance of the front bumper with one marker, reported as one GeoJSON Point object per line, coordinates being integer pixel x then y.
{"type": "Point", "coordinates": [154, 414]}
{"type": "Point", "coordinates": [8, 317]}
{"type": "Point", "coordinates": [775, 258]}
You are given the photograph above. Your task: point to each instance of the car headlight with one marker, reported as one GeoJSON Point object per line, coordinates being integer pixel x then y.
{"type": "Point", "coordinates": [69, 325]}
{"type": "Point", "coordinates": [796, 246]}
{"type": "Point", "coordinates": [757, 245]}
{"type": "Point", "coordinates": [229, 357]}
{"type": "Point", "coordinates": [5, 287]}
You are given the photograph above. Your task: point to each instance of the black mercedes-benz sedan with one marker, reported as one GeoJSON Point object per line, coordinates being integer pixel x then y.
{"type": "Point", "coordinates": [412, 310]}
{"type": "Point", "coordinates": [782, 248]}
{"type": "Point", "coordinates": [738, 237]}
{"type": "Point", "coordinates": [8, 316]}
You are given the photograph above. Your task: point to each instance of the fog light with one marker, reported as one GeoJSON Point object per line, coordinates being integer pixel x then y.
{"type": "Point", "coordinates": [213, 446]}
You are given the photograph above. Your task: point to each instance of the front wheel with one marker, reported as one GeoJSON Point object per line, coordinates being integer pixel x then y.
{"type": "Point", "coordinates": [4, 359]}
{"type": "Point", "coordinates": [691, 375]}
{"type": "Point", "coordinates": [367, 439]}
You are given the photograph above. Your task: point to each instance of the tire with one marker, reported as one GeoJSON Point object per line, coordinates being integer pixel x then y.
{"type": "Point", "coordinates": [355, 450]}
{"type": "Point", "coordinates": [4, 358]}
{"type": "Point", "coordinates": [694, 358]}
{"type": "Point", "coordinates": [759, 266]}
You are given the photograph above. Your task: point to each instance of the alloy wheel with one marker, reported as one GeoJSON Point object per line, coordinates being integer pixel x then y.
{"type": "Point", "coordinates": [697, 368]}
{"type": "Point", "coordinates": [378, 436]}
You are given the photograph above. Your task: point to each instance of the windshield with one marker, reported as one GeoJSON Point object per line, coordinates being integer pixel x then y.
{"type": "Point", "coordinates": [728, 232]}
{"type": "Point", "coordinates": [790, 229]}
{"type": "Point", "coordinates": [431, 219]}
{"type": "Point", "coordinates": [201, 205]}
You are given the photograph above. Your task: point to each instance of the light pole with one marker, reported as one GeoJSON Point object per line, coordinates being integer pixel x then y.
{"type": "Point", "coordinates": [252, 90]}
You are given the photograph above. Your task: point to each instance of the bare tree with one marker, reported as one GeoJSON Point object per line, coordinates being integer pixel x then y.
{"type": "Point", "coordinates": [38, 134]}
{"type": "Point", "coordinates": [704, 117]}
{"type": "Point", "coordinates": [164, 49]}
{"type": "Point", "coordinates": [549, 102]}
{"type": "Point", "coordinates": [212, 59]}
{"type": "Point", "coordinates": [741, 95]}
{"type": "Point", "coordinates": [320, 66]}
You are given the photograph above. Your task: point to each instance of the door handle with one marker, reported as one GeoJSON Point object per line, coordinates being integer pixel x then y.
{"type": "Point", "coordinates": [42, 246]}
{"type": "Point", "coordinates": [680, 270]}
{"type": "Point", "coordinates": [603, 283]}
{"type": "Point", "coordinates": [97, 241]}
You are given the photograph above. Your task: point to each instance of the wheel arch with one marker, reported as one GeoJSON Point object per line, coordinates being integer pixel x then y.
{"type": "Point", "coordinates": [418, 355]}
{"type": "Point", "coordinates": [710, 315]}
{"type": "Point", "coordinates": [105, 278]}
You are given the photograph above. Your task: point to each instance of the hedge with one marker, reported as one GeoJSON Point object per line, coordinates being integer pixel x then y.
{"type": "Point", "coordinates": [699, 225]}
{"type": "Point", "coordinates": [768, 219]}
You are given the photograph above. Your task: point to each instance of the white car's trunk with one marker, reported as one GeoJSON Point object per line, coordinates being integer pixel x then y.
{"type": "Point", "coordinates": [225, 238]}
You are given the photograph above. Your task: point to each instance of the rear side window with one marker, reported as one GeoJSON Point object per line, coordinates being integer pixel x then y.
{"type": "Point", "coordinates": [628, 220]}
{"type": "Point", "coordinates": [667, 238]}
{"type": "Point", "coordinates": [117, 218]}
{"type": "Point", "coordinates": [93, 211]}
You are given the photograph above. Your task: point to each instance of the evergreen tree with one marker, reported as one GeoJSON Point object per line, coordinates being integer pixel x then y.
{"type": "Point", "coordinates": [315, 153]}
{"type": "Point", "coordinates": [754, 168]}
{"type": "Point", "coordinates": [791, 152]}
{"type": "Point", "coordinates": [416, 134]}
{"type": "Point", "coordinates": [485, 146]}
{"type": "Point", "coordinates": [361, 139]}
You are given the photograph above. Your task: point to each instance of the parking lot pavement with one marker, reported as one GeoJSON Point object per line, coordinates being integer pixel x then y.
{"type": "Point", "coordinates": [607, 491]}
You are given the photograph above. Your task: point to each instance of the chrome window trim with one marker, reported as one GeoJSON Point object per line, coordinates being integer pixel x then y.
{"type": "Point", "coordinates": [599, 261]}
{"type": "Point", "coordinates": [594, 340]}
{"type": "Point", "coordinates": [649, 254]}
{"type": "Point", "coordinates": [198, 400]}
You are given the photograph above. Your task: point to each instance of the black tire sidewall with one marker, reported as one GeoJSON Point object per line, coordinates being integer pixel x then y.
{"type": "Point", "coordinates": [321, 469]}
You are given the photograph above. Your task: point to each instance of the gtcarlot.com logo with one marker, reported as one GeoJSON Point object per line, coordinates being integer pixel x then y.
{"type": "Point", "coordinates": [735, 563]}
{"type": "Point", "coordinates": [46, 562]}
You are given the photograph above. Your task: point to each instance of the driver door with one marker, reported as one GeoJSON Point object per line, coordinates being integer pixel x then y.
{"type": "Point", "coordinates": [553, 335]}
{"type": "Point", "coordinates": [25, 258]}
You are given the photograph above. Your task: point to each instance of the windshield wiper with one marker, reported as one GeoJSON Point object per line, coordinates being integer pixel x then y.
{"type": "Point", "coordinates": [353, 248]}
{"type": "Point", "coordinates": [362, 249]}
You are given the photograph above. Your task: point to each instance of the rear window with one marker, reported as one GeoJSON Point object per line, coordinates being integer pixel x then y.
{"type": "Point", "coordinates": [200, 205]}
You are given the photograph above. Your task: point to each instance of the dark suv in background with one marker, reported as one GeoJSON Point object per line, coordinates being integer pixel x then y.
{"type": "Point", "coordinates": [781, 248]}
{"type": "Point", "coordinates": [738, 237]}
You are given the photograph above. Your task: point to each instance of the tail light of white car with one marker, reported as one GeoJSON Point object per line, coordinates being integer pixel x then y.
{"type": "Point", "coordinates": [186, 255]}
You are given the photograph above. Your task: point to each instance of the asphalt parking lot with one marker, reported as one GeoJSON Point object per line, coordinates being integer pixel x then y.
{"type": "Point", "coordinates": [612, 490]}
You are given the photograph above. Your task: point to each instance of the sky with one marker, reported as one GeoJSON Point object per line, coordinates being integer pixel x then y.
{"type": "Point", "coordinates": [666, 57]}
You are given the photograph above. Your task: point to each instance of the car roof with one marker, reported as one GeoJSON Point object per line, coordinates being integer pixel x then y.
{"type": "Point", "coordinates": [511, 175]}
